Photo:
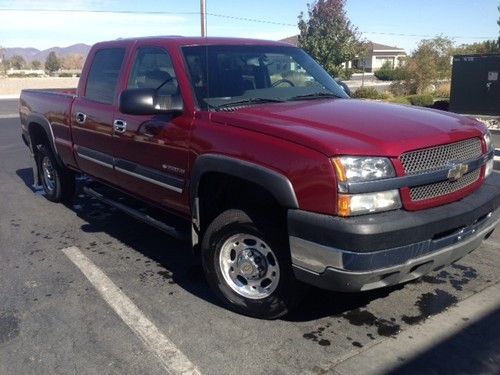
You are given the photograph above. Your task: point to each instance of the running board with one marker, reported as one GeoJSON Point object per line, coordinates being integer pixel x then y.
{"type": "Point", "coordinates": [136, 214]}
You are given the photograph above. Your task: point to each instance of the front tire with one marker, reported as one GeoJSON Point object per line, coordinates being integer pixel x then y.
{"type": "Point", "coordinates": [247, 263]}
{"type": "Point", "coordinates": [58, 182]}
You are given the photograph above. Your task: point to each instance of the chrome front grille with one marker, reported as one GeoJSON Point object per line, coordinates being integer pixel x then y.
{"type": "Point", "coordinates": [441, 188]}
{"type": "Point", "coordinates": [434, 158]}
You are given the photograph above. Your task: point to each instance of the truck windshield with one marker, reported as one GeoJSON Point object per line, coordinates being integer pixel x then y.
{"type": "Point", "coordinates": [226, 76]}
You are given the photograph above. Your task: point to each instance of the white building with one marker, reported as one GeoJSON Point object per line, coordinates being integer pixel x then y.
{"type": "Point", "coordinates": [377, 55]}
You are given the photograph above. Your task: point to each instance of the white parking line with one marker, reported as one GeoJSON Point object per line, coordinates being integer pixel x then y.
{"type": "Point", "coordinates": [174, 361]}
{"type": "Point", "coordinates": [9, 116]}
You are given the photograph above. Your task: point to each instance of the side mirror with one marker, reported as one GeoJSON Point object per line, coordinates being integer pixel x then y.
{"type": "Point", "coordinates": [344, 86]}
{"type": "Point", "coordinates": [148, 102]}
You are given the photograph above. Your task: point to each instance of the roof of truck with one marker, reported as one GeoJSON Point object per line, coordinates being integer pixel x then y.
{"type": "Point", "coordinates": [192, 40]}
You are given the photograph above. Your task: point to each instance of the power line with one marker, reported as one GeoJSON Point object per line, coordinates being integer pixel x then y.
{"type": "Point", "coordinates": [247, 19]}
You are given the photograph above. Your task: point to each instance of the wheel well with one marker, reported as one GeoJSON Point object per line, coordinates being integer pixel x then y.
{"type": "Point", "coordinates": [38, 135]}
{"type": "Point", "coordinates": [218, 192]}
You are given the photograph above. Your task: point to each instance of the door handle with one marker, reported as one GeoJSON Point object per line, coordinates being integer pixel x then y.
{"type": "Point", "coordinates": [120, 126]}
{"type": "Point", "coordinates": [80, 117]}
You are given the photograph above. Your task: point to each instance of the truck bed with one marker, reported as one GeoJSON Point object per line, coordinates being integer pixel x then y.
{"type": "Point", "coordinates": [54, 107]}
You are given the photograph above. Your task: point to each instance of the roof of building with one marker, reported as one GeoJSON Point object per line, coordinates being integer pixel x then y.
{"type": "Point", "coordinates": [382, 47]}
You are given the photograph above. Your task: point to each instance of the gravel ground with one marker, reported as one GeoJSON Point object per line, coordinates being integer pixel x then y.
{"type": "Point", "coordinates": [13, 86]}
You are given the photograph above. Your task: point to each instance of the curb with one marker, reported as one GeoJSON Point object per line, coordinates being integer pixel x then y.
{"type": "Point", "coordinates": [10, 96]}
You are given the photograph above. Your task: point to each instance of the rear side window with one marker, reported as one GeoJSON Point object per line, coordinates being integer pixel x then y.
{"type": "Point", "coordinates": [103, 75]}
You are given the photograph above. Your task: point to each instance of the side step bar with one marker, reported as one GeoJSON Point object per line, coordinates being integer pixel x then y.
{"type": "Point", "coordinates": [145, 218]}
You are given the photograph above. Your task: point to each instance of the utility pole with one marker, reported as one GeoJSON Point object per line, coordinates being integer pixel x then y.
{"type": "Point", "coordinates": [203, 15]}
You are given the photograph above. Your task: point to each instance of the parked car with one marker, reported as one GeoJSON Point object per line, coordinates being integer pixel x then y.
{"type": "Point", "coordinates": [273, 173]}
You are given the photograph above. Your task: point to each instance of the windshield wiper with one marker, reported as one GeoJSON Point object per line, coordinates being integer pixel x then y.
{"type": "Point", "coordinates": [315, 95]}
{"type": "Point", "coordinates": [247, 101]}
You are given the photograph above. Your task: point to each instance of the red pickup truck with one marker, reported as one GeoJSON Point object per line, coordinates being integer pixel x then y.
{"type": "Point", "coordinates": [279, 177]}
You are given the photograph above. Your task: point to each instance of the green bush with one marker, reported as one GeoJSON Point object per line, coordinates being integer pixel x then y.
{"type": "Point", "coordinates": [366, 93]}
{"type": "Point", "coordinates": [389, 74]}
{"type": "Point", "coordinates": [421, 100]}
{"type": "Point", "coordinates": [22, 75]}
{"type": "Point", "coordinates": [65, 75]}
{"type": "Point", "coordinates": [399, 100]}
{"type": "Point", "coordinates": [345, 74]}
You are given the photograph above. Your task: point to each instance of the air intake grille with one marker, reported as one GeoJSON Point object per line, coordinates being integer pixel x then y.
{"type": "Point", "coordinates": [439, 189]}
{"type": "Point", "coordinates": [439, 157]}
{"type": "Point", "coordinates": [434, 158]}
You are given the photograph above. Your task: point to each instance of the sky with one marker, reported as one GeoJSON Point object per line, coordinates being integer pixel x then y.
{"type": "Point", "coordinates": [401, 23]}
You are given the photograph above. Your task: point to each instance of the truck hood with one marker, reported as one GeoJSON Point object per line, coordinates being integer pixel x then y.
{"type": "Point", "coordinates": [353, 127]}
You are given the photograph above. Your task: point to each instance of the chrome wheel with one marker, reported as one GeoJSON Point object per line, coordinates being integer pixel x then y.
{"type": "Point", "coordinates": [249, 266]}
{"type": "Point", "coordinates": [48, 174]}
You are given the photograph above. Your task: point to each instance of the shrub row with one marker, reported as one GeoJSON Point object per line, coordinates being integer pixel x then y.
{"type": "Point", "coordinates": [424, 100]}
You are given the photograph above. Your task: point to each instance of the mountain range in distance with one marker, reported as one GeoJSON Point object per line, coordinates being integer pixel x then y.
{"type": "Point", "coordinates": [31, 54]}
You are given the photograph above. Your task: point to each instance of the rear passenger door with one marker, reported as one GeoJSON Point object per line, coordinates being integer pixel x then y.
{"type": "Point", "coordinates": [151, 152]}
{"type": "Point", "coordinates": [92, 115]}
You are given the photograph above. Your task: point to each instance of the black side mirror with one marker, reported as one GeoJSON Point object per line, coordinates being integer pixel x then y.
{"type": "Point", "coordinates": [344, 86]}
{"type": "Point", "coordinates": [148, 102]}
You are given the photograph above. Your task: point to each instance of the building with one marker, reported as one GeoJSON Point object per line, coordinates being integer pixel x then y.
{"type": "Point", "coordinates": [377, 55]}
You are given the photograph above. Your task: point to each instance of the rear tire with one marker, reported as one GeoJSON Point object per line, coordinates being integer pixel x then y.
{"type": "Point", "coordinates": [246, 260]}
{"type": "Point", "coordinates": [58, 182]}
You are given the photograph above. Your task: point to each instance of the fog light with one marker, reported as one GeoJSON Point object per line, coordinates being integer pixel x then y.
{"type": "Point", "coordinates": [359, 204]}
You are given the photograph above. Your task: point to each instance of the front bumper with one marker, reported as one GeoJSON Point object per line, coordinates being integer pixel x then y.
{"type": "Point", "coordinates": [372, 251]}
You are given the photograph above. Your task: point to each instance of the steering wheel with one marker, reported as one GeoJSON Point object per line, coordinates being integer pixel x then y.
{"type": "Point", "coordinates": [280, 81]}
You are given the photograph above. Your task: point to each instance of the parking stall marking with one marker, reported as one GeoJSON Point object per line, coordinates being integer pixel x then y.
{"type": "Point", "coordinates": [173, 360]}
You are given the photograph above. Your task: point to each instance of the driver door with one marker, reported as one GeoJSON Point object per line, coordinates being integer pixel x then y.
{"type": "Point", "coordinates": [151, 152]}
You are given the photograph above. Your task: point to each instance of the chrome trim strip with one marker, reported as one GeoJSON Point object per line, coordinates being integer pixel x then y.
{"type": "Point", "coordinates": [94, 160]}
{"type": "Point", "coordinates": [410, 180]}
{"type": "Point", "coordinates": [141, 177]}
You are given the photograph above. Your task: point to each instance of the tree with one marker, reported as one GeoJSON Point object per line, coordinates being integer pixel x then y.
{"type": "Point", "coordinates": [73, 61]}
{"type": "Point", "coordinates": [498, 23]}
{"type": "Point", "coordinates": [3, 62]}
{"type": "Point", "coordinates": [17, 62]}
{"type": "Point", "coordinates": [431, 61]}
{"type": "Point", "coordinates": [488, 46]}
{"type": "Point", "coordinates": [52, 63]}
{"type": "Point", "coordinates": [328, 35]}
{"type": "Point", "coordinates": [35, 64]}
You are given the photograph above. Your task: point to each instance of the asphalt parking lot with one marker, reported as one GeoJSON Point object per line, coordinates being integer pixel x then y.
{"type": "Point", "coordinates": [54, 319]}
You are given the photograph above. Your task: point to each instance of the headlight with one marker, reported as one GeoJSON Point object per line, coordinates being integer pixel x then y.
{"type": "Point", "coordinates": [359, 204]}
{"type": "Point", "coordinates": [357, 169]}
{"type": "Point", "coordinates": [360, 169]}
{"type": "Point", "coordinates": [488, 141]}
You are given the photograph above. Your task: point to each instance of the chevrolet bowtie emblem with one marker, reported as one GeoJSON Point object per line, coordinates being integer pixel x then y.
{"type": "Point", "coordinates": [457, 171]}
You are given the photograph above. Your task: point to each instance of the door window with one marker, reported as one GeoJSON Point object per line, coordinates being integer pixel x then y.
{"type": "Point", "coordinates": [104, 74]}
{"type": "Point", "coordinates": [153, 69]}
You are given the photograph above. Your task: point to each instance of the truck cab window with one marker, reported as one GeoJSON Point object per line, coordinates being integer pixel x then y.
{"type": "Point", "coordinates": [153, 68]}
{"type": "Point", "coordinates": [103, 75]}
{"type": "Point", "coordinates": [223, 75]}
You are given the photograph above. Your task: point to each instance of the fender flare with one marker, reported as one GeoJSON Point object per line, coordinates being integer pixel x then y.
{"type": "Point", "coordinates": [278, 185]}
{"type": "Point", "coordinates": [45, 124]}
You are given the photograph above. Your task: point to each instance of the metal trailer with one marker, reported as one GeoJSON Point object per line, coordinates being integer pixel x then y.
{"type": "Point", "coordinates": [475, 84]}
